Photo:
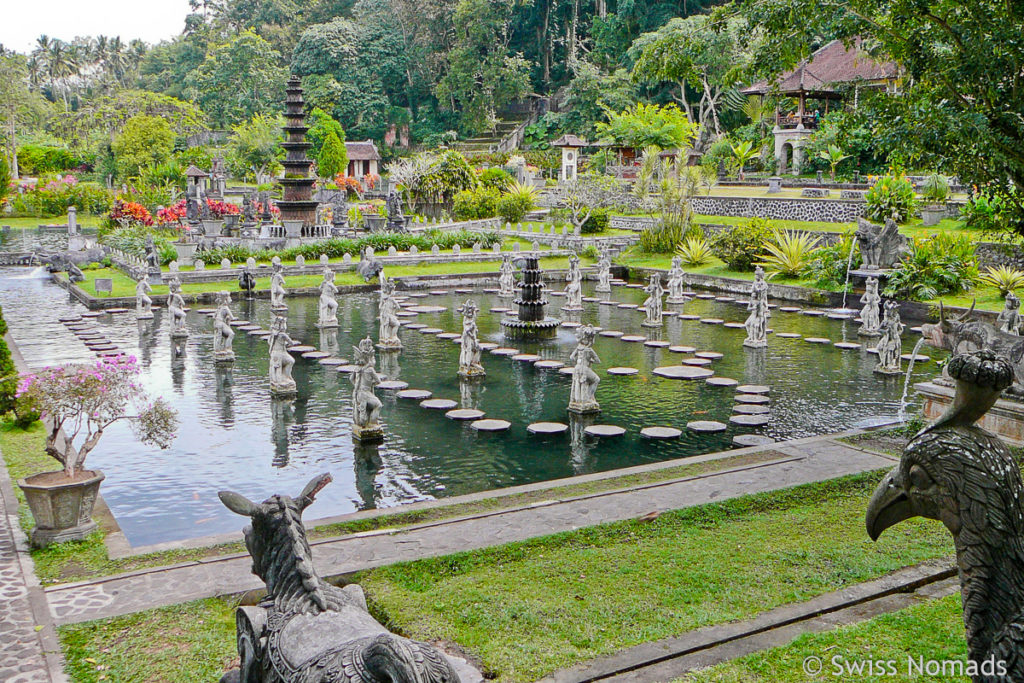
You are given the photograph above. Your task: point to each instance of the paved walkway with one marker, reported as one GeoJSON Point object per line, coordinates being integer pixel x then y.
{"type": "Point", "coordinates": [798, 463]}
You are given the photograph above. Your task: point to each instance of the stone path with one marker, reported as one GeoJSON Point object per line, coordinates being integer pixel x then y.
{"type": "Point", "coordinates": [798, 462]}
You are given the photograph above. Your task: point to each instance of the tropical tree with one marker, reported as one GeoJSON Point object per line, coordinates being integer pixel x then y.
{"type": "Point", "coordinates": [646, 125]}
{"type": "Point", "coordinates": [255, 147]}
{"type": "Point", "coordinates": [743, 152]}
{"type": "Point", "coordinates": [333, 159]}
{"type": "Point", "coordinates": [833, 156]}
{"type": "Point", "coordinates": [145, 141]}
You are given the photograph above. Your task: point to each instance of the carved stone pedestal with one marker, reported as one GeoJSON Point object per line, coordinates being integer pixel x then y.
{"type": "Point", "coordinates": [758, 344]}
{"type": "Point", "coordinates": [368, 434]}
{"type": "Point", "coordinates": [283, 389]}
{"type": "Point", "coordinates": [584, 408]}
{"type": "Point", "coordinates": [1005, 418]}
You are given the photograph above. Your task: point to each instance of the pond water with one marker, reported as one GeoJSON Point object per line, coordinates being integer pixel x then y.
{"type": "Point", "coordinates": [234, 435]}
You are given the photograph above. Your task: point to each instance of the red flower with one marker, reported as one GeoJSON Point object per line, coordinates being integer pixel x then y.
{"type": "Point", "coordinates": [131, 211]}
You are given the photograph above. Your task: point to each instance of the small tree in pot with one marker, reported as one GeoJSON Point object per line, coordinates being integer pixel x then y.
{"type": "Point", "coordinates": [78, 403]}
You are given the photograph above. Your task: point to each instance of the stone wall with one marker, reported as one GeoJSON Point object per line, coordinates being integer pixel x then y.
{"type": "Point", "coordinates": [824, 210]}
{"type": "Point", "coordinates": [996, 254]}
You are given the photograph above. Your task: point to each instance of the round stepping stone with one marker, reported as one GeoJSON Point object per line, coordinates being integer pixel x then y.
{"type": "Point", "coordinates": [207, 311]}
{"type": "Point", "coordinates": [414, 394]}
{"type": "Point", "coordinates": [711, 321]}
{"type": "Point", "coordinates": [633, 338]}
{"type": "Point", "coordinates": [418, 295]}
{"type": "Point", "coordinates": [734, 326]}
{"type": "Point", "coordinates": [500, 309]}
{"type": "Point", "coordinates": [789, 309]}
{"type": "Point", "coordinates": [722, 381]}
{"type": "Point", "coordinates": [813, 313]}
{"type": "Point", "coordinates": [69, 318]}
{"type": "Point", "coordinates": [661, 433]}
{"type": "Point", "coordinates": [89, 335]}
{"type": "Point", "coordinates": [607, 303]}
{"type": "Point", "coordinates": [556, 293]}
{"type": "Point", "coordinates": [687, 316]}
{"type": "Point", "coordinates": [415, 326]}
{"type": "Point", "coordinates": [549, 364]}
{"type": "Point", "coordinates": [591, 298]}
{"type": "Point", "coordinates": [333, 362]}
{"type": "Point", "coordinates": [431, 330]}
{"type": "Point", "coordinates": [117, 310]}
{"type": "Point", "coordinates": [348, 369]}
{"type": "Point", "coordinates": [490, 425]}
{"type": "Point", "coordinates": [622, 371]}
{"type": "Point", "coordinates": [604, 430]}
{"type": "Point", "coordinates": [110, 354]}
{"type": "Point", "coordinates": [750, 420]}
{"type": "Point", "coordinates": [92, 314]}
{"type": "Point", "coordinates": [849, 346]}
{"type": "Point", "coordinates": [249, 328]}
{"type": "Point", "coordinates": [746, 409]}
{"type": "Point", "coordinates": [705, 296]}
{"type": "Point", "coordinates": [710, 355]}
{"type": "Point", "coordinates": [570, 324]}
{"type": "Point", "coordinates": [752, 440]}
{"type": "Point", "coordinates": [919, 358]}
{"type": "Point", "coordinates": [632, 306]}
{"type": "Point", "coordinates": [656, 343]}
{"type": "Point", "coordinates": [438, 292]}
{"type": "Point", "coordinates": [697, 362]}
{"type": "Point", "coordinates": [873, 350]}
{"type": "Point", "coordinates": [463, 291]}
{"type": "Point", "coordinates": [427, 309]}
{"type": "Point", "coordinates": [753, 389]}
{"type": "Point", "coordinates": [101, 347]}
{"type": "Point", "coordinates": [915, 328]}
{"type": "Point", "coordinates": [526, 357]}
{"type": "Point", "coordinates": [438, 404]}
{"type": "Point", "coordinates": [682, 349]}
{"type": "Point", "coordinates": [463, 413]}
{"type": "Point", "coordinates": [449, 335]}
{"type": "Point", "coordinates": [817, 340]}
{"type": "Point", "coordinates": [487, 346]}
{"type": "Point", "coordinates": [759, 399]}
{"type": "Point", "coordinates": [393, 385]}
{"type": "Point", "coordinates": [633, 285]}
{"type": "Point", "coordinates": [610, 333]}
{"type": "Point", "coordinates": [504, 351]}
{"type": "Point", "coordinates": [258, 332]}
{"type": "Point", "coordinates": [725, 299]}
{"type": "Point", "coordinates": [705, 426]}
{"type": "Point", "coordinates": [301, 348]}
{"type": "Point", "coordinates": [239, 323]}
{"type": "Point", "coordinates": [788, 335]}
{"type": "Point", "coordinates": [315, 355]}
{"type": "Point", "coordinates": [683, 372]}
{"type": "Point", "coordinates": [407, 314]}
{"type": "Point", "coordinates": [838, 316]}
{"type": "Point", "coordinates": [566, 370]}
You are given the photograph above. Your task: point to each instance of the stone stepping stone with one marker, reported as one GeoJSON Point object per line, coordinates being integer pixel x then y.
{"type": "Point", "coordinates": [418, 295]}
{"type": "Point", "coordinates": [117, 310]}
{"type": "Point", "coordinates": [591, 298]}
{"type": "Point", "coordinates": [710, 355]}
{"type": "Point", "coordinates": [556, 293]}
{"type": "Point", "coordinates": [633, 338]}
{"type": "Point", "coordinates": [89, 335]}
{"type": "Point", "coordinates": [238, 323]}
{"type": "Point", "coordinates": [661, 433]}
{"type": "Point", "coordinates": [438, 404]}
{"type": "Point", "coordinates": [570, 324]}
{"type": "Point", "coordinates": [632, 306]}
{"type": "Point", "coordinates": [750, 420]}
{"type": "Point", "coordinates": [415, 326]}
{"type": "Point", "coordinates": [622, 370]}
{"type": "Point", "coordinates": [315, 355]}
{"type": "Point", "coordinates": [348, 369]}
{"type": "Point", "coordinates": [566, 371]}
{"type": "Point", "coordinates": [838, 316]}
{"type": "Point", "coordinates": [711, 321]}
{"type": "Point", "coordinates": [490, 290]}
{"type": "Point", "coordinates": [333, 362]}
{"type": "Point", "coordinates": [526, 357]}
{"type": "Point", "coordinates": [301, 348]}
{"type": "Point", "coordinates": [92, 314]}
{"type": "Point", "coordinates": [916, 328]}
{"type": "Point", "coordinates": [547, 428]}
{"type": "Point", "coordinates": [604, 430]}
{"type": "Point", "coordinates": [438, 292]}
{"type": "Point", "coordinates": [656, 343]}
{"type": "Point", "coordinates": [610, 333]}
{"type": "Point", "coordinates": [683, 372]}
{"type": "Point", "coordinates": [457, 342]}
{"type": "Point", "coordinates": [788, 335]}
{"type": "Point", "coordinates": [919, 358]}
{"type": "Point", "coordinates": [428, 309]}
{"type": "Point", "coordinates": [849, 346]}
{"type": "Point", "coordinates": [789, 309]}
{"type": "Point", "coordinates": [747, 409]}
{"type": "Point", "coordinates": [759, 399]}
{"type": "Point", "coordinates": [463, 291]}
{"type": "Point", "coordinates": [449, 335]}
{"type": "Point", "coordinates": [414, 394]}
{"type": "Point", "coordinates": [491, 425]}
{"type": "Point", "coordinates": [463, 413]}
{"type": "Point", "coordinates": [734, 326]}
{"type": "Point", "coordinates": [873, 350]}
{"type": "Point", "coordinates": [705, 296]}
{"type": "Point", "coordinates": [721, 381]}
{"type": "Point", "coordinates": [687, 316]}
{"type": "Point", "coordinates": [549, 364]}
{"type": "Point", "coordinates": [258, 332]}
{"type": "Point", "coordinates": [207, 311]}
{"type": "Point", "coordinates": [817, 340]}
{"type": "Point", "coordinates": [249, 328]}
{"type": "Point", "coordinates": [705, 426]}
{"type": "Point", "coordinates": [753, 389]}
{"type": "Point", "coordinates": [725, 299]}
{"type": "Point", "coordinates": [431, 330]}
{"type": "Point", "coordinates": [682, 349]}
{"type": "Point", "coordinates": [697, 362]}
{"type": "Point", "coordinates": [670, 314]}
{"type": "Point", "coordinates": [633, 285]}
{"type": "Point", "coordinates": [110, 354]}
{"type": "Point", "coordinates": [69, 318]}
{"type": "Point", "coordinates": [393, 385]}
{"type": "Point", "coordinates": [752, 440]}
{"type": "Point", "coordinates": [487, 346]}
{"type": "Point", "coordinates": [407, 314]}
{"type": "Point", "coordinates": [504, 351]}
{"type": "Point", "coordinates": [101, 347]}
{"type": "Point", "coordinates": [608, 303]}
{"type": "Point", "coordinates": [500, 309]}
{"type": "Point", "coordinates": [812, 313]}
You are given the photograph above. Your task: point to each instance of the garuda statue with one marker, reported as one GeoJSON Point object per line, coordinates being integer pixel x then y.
{"type": "Point", "coordinates": [305, 630]}
{"type": "Point", "coordinates": [958, 473]}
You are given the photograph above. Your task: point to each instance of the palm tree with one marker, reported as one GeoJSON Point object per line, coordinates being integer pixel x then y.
{"type": "Point", "coordinates": [35, 71]}
{"type": "Point", "coordinates": [117, 62]}
{"type": "Point", "coordinates": [60, 66]}
{"type": "Point", "coordinates": [743, 152]}
{"type": "Point", "coordinates": [834, 156]}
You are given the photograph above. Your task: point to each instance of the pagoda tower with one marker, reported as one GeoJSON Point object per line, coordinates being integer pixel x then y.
{"type": "Point", "coordinates": [297, 203]}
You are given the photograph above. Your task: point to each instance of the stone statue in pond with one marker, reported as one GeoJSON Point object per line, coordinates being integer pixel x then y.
{"type": "Point", "coordinates": [277, 290]}
{"type": "Point", "coordinates": [223, 334]}
{"type": "Point", "coordinates": [469, 351]}
{"type": "Point", "coordinates": [389, 322]}
{"type": "Point", "coordinates": [957, 473]}
{"type": "Point", "coordinates": [890, 344]}
{"type": "Point", "coordinates": [757, 322]}
{"type": "Point", "coordinates": [1009, 318]}
{"type": "Point", "coordinates": [306, 630]}
{"type": "Point", "coordinates": [870, 322]}
{"type": "Point", "coordinates": [366, 424]}
{"type": "Point", "coordinates": [574, 288]}
{"type": "Point", "coordinates": [881, 246]}
{"type": "Point", "coordinates": [143, 302]}
{"type": "Point", "coordinates": [281, 381]}
{"type": "Point", "coordinates": [604, 273]}
{"type": "Point", "coordinates": [582, 395]}
{"type": "Point", "coordinates": [653, 304]}
{"type": "Point", "coordinates": [507, 278]}
{"type": "Point", "coordinates": [676, 282]}
{"type": "Point", "coordinates": [176, 307]}
{"type": "Point", "coordinates": [328, 301]}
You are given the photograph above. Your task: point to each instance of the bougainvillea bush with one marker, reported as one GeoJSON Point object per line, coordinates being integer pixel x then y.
{"type": "Point", "coordinates": [125, 213]}
{"type": "Point", "coordinates": [80, 402]}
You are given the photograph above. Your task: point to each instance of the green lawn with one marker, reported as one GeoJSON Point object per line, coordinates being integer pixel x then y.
{"type": "Point", "coordinates": [84, 220]}
{"type": "Point", "coordinates": [635, 258]}
{"type": "Point", "coordinates": [933, 630]}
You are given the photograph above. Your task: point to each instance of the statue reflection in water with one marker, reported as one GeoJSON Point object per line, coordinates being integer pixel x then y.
{"type": "Point", "coordinates": [147, 342]}
{"type": "Point", "coordinates": [367, 463]}
{"type": "Point", "coordinates": [223, 383]}
{"type": "Point", "coordinates": [470, 391]}
{"type": "Point", "coordinates": [580, 444]}
{"type": "Point", "coordinates": [282, 415]}
{"type": "Point", "coordinates": [329, 341]}
{"type": "Point", "coordinates": [389, 367]}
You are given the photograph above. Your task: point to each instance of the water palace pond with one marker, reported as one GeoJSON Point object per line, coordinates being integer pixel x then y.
{"type": "Point", "coordinates": [234, 435]}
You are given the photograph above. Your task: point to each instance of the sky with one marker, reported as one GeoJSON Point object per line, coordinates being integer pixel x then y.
{"type": "Point", "coordinates": [151, 20]}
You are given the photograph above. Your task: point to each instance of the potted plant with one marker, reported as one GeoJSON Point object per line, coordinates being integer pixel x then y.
{"type": "Point", "coordinates": [77, 403]}
{"type": "Point", "coordinates": [935, 191]}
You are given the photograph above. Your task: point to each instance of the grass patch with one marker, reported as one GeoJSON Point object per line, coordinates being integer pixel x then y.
{"type": "Point", "coordinates": [933, 630]}
{"type": "Point", "coordinates": [31, 222]}
{"type": "Point", "coordinates": [574, 596]}
{"type": "Point", "coordinates": [635, 258]}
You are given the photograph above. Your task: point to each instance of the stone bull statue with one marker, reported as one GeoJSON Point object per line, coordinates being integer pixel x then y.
{"type": "Point", "coordinates": [305, 630]}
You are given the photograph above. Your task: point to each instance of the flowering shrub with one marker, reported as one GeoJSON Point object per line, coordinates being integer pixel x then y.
{"type": "Point", "coordinates": [274, 211]}
{"type": "Point", "coordinates": [350, 185]}
{"type": "Point", "coordinates": [219, 209]}
{"type": "Point", "coordinates": [83, 400]}
{"type": "Point", "coordinates": [131, 212]}
{"type": "Point", "coordinates": [54, 197]}
{"type": "Point", "coordinates": [370, 180]}
{"type": "Point", "coordinates": [173, 214]}
{"type": "Point", "coordinates": [891, 197]}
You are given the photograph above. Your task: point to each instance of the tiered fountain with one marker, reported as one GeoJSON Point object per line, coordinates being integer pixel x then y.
{"type": "Point", "coordinates": [531, 323]}
{"type": "Point", "coordinates": [298, 209]}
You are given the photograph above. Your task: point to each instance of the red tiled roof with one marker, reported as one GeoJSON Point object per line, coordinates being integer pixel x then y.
{"type": "Point", "coordinates": [570, 140]}
{"type": "Point", "coordinates": [830, 65]}
{"type": "Point", "coordinates": [362, 151]}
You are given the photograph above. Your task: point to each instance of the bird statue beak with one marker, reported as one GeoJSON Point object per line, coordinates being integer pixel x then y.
{"type": "Point", "coordinates": [888, 506]}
